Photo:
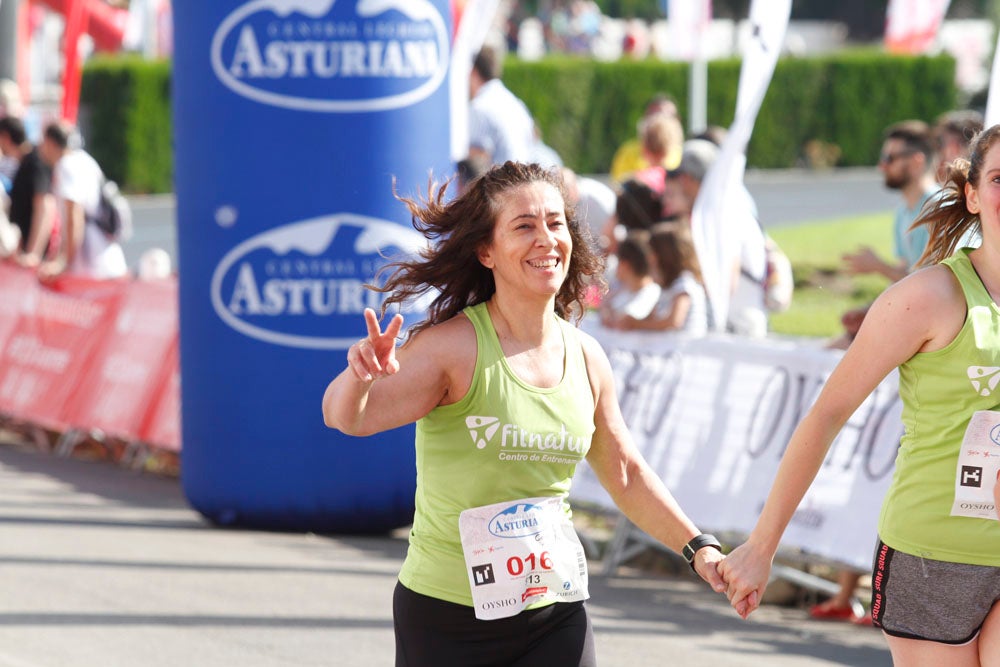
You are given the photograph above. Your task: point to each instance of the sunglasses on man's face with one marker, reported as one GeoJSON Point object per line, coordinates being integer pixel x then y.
{"type": "Point", "coordinates": [889, 158]}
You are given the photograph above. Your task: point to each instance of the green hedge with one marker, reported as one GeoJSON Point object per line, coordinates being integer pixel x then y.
{"type": "Point", "coordinates": [586, 109]}
{"type": "Point", "coordinates": [125, 118]}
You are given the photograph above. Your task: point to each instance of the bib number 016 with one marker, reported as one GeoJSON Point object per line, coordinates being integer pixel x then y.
{"type": "Point", "coordinates": [516, 565]}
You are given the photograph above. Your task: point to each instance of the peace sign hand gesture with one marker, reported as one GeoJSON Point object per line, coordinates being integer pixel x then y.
{"type": "Point", "coordinates": [375, 356]}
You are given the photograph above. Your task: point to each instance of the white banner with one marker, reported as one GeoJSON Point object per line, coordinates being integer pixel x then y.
{"type": "Point", "coordinates": [473, 27]}
{"type": "Point", "coordinates": [687, 22]}
{"type": "Point", "coordinates": [713, 416]}
{"type": "Point", "coordinates": [723, 210]}
{"type": "Point", "coordinates": [992, 116]}
{"type": "Point", "coordinates": [911, 26]}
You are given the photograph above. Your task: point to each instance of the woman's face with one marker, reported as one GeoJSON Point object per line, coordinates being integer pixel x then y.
{"type": "Point", "coordinates": [983, 198]}
{"type": "Point", "coordinates": [531, 246]}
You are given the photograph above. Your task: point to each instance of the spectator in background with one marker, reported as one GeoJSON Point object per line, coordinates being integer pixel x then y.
{"type": "Point", "coordinates": [32, 209]}
{"type": "Point", "coordinates": [682, 305]}
{"type": "Point", "coordinates": [906, 163]}
{"type": "Point", "coordinates": [660, 135]}
{"type": "Point", "coordinates": [584, 26]}
{"type": "Point", "coordinates": [637, 206]}
{"type": "Point", "coordinates": [542, 153]}
{"type": "Point", "coordinates": [11, 103]}
{"type": "Point", "coordinates": [747, 315]}
{"type": "Point", "coordinates": [697, 157]}
{"type": "Point", "coordinates": [500, 126]}
{"type": "Point", "coordinates": [76, 183]}
{"type": "Point", "coordinates": [469, 169]}
{"type": "Point", "coordinates": [637, 41]}
{"type": "Point", "coordinates": [154, 264]}
{"type": "Point", "coordinates": [630, 156]}
{"type": "Point", "coordinates": [952, 133]}
{"type": "Point", "coordinates": [594, 203]}
{"type": "Point", "coordinates": [714, 133]}
{"type": "Point", "coordinates": [10, 106]}
{"type": "Point", "coordinates": [636, 292]}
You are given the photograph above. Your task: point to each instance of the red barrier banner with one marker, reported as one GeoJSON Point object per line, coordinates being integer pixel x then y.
{"type": "Point", "coordinates": [17, 286]}
{"type": "Point", "coordinates": [162, 427]}
{"type": "Point", "coordinates": [49, 347]}
{"type": "Point", "coordinates": [126, 371]}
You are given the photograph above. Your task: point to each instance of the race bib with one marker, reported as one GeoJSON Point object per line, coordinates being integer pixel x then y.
{"type": "Point", "coordinates": [978, 463]}
{"type": "Point", "coordinates": [521, 552]}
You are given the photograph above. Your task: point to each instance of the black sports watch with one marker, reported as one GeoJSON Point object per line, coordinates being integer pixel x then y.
{"type": "Point", "coordinates": [696, 543]}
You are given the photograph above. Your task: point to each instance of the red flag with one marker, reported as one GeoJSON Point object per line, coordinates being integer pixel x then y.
{"type": "Point", "coordinates": [911, 26]}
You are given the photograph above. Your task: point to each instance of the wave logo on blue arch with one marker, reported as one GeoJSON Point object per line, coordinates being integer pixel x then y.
{"type": "Point", "coordinates": [300, 284]}
{"type": "Point", "coordinates": [333, 55]}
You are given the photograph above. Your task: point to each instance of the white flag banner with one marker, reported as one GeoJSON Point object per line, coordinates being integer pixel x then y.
{"type": "Point", "coordinates": [723, 212]}
{"type": "Point", "coordinates": [136, 35]}
{"type": "Point", "coordinates": [474, 25]}
{"type": "Point", "coordinates": [992, 116]}
{"type": "Point", "coordinates": [911, 26]}
{"type": "Point", "coordinates": [687, 22]}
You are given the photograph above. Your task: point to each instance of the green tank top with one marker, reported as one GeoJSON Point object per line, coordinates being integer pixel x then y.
{"type": "Point", "coordinates": [504, 440]}
{"type": "Point", "coordinates": [940, 392]}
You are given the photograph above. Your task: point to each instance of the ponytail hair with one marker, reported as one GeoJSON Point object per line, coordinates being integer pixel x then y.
{"type": "Point", "coordinates": [946, 214]}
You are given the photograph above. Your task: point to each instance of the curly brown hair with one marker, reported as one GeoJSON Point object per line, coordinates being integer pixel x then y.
{"type": "Point", "coordinates": [457, 229]}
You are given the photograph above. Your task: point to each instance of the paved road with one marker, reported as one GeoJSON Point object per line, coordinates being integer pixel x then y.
{"type": "Point", "coordinates": [102, 566]}
{"type": "Point", "coordinates": [783, 197]}
{"type": "Point", "coordinates": [786, 197]}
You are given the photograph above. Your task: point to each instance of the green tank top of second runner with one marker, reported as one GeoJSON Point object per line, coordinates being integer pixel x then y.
{"type": "Point", "coordinates": [940, 391]}
{"type": "Point", "coordinates": [504, 440]}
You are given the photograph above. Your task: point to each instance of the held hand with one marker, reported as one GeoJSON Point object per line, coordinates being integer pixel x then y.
{"type": "Point", "coordinates": [706, 564]}
{"type": "Point", "coordinates": [746, 572]}
{"type": "Point", "coordinates": [375, 356]}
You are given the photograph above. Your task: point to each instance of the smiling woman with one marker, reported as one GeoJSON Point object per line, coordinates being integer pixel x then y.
{"type": "Point", "coordinates": [508, 398]}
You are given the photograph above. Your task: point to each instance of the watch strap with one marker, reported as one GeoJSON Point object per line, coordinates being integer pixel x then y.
{"type": "Point", "coordinates": [699, 542]}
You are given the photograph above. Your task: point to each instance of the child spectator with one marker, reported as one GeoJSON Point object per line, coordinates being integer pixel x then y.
{"type": "Point", "coordinates": [636, 292]}
{"type": "Point", "coordinates": [637, 207]}
{"type": "Point", "coordinates": [682, 305]}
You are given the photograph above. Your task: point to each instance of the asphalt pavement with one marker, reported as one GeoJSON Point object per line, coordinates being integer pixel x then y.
{"type": "Point", "coordinates": [105, 567]}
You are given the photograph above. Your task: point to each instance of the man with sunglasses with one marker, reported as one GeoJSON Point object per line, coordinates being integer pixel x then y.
{"type": "Point", "coordinates": [906, 162]}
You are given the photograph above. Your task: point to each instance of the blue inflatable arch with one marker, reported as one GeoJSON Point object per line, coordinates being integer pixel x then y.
{"type": "Point", "coordinates": [291, 118]}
